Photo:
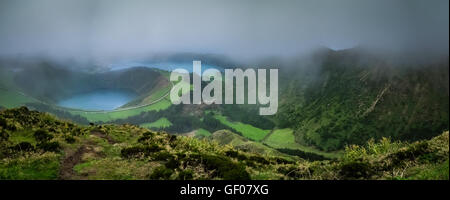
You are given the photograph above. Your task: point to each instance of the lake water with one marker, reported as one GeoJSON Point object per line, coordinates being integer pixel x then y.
{"type": "Point", "coordinates": [168, 66]}
{"type": "Point", "coordinates": [105, 99]}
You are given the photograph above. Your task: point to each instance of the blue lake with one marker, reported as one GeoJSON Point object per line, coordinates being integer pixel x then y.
{"type": "Point", "coordinates": [105, 99]}
{"type": "Point", "coordinates": [168, 66]}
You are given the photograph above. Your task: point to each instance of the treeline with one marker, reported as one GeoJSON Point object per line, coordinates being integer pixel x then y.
{"type": "Point", "coordinates": [302, 154]}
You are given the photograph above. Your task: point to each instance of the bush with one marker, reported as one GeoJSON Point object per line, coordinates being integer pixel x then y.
{"type": "Point", "coordinates": [162, 155]}
{"type": "Point", "coordinates": [232, 153]}
{"type": "Point", "coordinates": [411, 153]}
{"type": "Point", "coordinates": [161, 173]}
{"type": "Point", "coordinates": [23, 146]}
{"type": "Point", "coordinates": [226, 169]}
{"type": "Point", "coordinates": [139, 150]}
{"type": "Point", "coordinates": [42, 135]}
{"type": "Point", "coordinates": [2, 122]}
{"type": "Point", "coordinates": [146, 136]}
{"type": "Point", "coordinates": [70, 139]}
{"type": "Point", "coordinates": [172, 163]}
{"type": "Point", "coordinates": [3, 135]}
{"type": "Point", "coordinates": [49, 146]}
{"type": "Point", "coordinates": [302, 154]}
{"type": "Point", "coordinates": [355, 170]}
{"type": "Point", "coordinates": [185, 175]}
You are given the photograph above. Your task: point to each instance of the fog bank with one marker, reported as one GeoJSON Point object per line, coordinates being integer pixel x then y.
{"type": "Point", "coordinates": [244, 29]}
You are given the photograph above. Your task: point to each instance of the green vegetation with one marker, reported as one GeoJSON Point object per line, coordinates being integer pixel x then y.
{"type": "Point", "coordinates": [348, 102]}
{"type": "Point", "coordinates": [431, 172]}
{"type": "Point", "coordinates": [114, 115]}
{"type": "Point", "coordinates": [246, 130]}
{"type": "Point", "coordinates": [202, 133]}
{"type": "Point", "coordinates": [285, 139]}
{"type": "Point", "coordinates": [151, 84]}
{"type": "Point", "coordinates": [11, 99]}
{"type": "Point", "coordinates": [23, 136]}
{"type": "Point", "coordinates": [281, 138]}
{"type": "Point", "coordinates": [226, 137]}
{"type": "Point", "coordinates": [35, 145]}
{"type": "Point", "coordinates": [160, 123]}
{"type": "Point", "coordinates": [31, 166]}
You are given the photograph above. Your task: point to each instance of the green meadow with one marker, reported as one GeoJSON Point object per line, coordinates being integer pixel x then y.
{"type": "Point", "coordinates": [160, 123]}
{"type": "Point", "coordinates": [202, 133]}
{"type": "Point", "coordinates": [284, 138]}
{"type": "Point", "coordinates": [113, 115]}
{"type": "Point", "coordinates": [246, 130]}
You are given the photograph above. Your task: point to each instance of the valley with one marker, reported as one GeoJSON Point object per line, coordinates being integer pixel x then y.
{"type": "Point", "coordinates": [322, 113]}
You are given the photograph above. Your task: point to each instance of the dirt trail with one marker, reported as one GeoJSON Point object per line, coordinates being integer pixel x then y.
{"type": "Point", "coordinates": [66, 172]}
{"type": "Point", "coordinates": [103, 135]}
{"type": "Point", "coordinates": [73, 158]}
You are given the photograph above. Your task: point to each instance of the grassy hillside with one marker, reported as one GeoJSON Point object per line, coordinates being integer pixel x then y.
{"type": "Point", "coordinates": [160, 123]}
{"type": "Point", "coordinates": [9, 95]}
{"type": "Point", "coordinates": [35, 145]}
{"type": "Point", "coordinates": [246, 130]}
{"type": "Point", "coordinates": [351, 97]}
{"type": "Point", "coordinates": [284, 139]}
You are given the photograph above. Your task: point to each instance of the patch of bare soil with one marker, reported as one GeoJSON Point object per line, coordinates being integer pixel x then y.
{"type": "Point", "coordinates": [67, 172]}
{"type": "Point", "coordinates": [72, 158]}
{"type": "Point", "coordinates": [103, 135]}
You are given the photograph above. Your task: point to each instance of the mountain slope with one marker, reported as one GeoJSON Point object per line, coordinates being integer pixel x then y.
{"type": "Point", "coordinates": [50, 83]}
{"type": "Point", "coordinates": [351, 97]}
{"type": "Point", "coordinates": [35, 145]}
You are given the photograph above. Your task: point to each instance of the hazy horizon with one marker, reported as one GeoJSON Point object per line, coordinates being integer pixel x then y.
{"type": "Point", "coordinates": [248, 29]}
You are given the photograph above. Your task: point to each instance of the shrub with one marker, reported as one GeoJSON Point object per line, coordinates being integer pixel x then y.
{"type": "Point", "coordinates": [49, 146]}
{"type": "Point", "coordinates": [259, 159]}
{"type": "Point", "coordinates": [226, 169]}
{"type": "Point", "coordinates": [70, 139]}
{"type": "Point", "coordinates": [23, 146]}
{"type": "Point", "coordinates": [146, 136]}
{"type": "Point", "coordinates": [139, 150]}
{"type": "Point", "coordinates": [3, 135]}
{"type": "Point", "coordinates": [161, 173]}
{"type": "Point", "coordinates": [232, 153]}
{"type": "Point", "coordinates": [185, 175]}
{"type": "Point", "coordinates": [355, 170]}
{"type": "Point", "coordinates": [42, 135]}
{"type": "Point", "coordinates": [410, 153]}
{"type": "Point", "coordinates": [2, 122]}
{"type": "Point", "coordinates": [162, 155]}
{"type": "Point", "coordinates": [172, 163]}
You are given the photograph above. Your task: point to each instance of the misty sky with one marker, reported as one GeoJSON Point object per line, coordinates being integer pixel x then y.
{"type": "Point", "coordinates": [241, 29]}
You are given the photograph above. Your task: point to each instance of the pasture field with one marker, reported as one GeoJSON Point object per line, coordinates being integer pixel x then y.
{"type": "Point", "coordinates": [284, 138]}
{"type": "Point", "coordinates": [113, 115]}
{"type": "Point", "coordinates": [202, 133]}
{"type": "Point", "coordinates": [246, 130]}
{"type": "Point", "coordinates": [160, 123]}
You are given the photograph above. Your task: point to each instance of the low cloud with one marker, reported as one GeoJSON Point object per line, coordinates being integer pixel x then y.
{"type": "Point", "coordinates": [101, 29]}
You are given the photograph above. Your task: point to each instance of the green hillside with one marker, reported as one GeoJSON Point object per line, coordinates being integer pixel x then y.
{"type": "Point", "coordinates": [39, 87]}
{"type": "Point", "coordinates": [352, 97]}
{"type": "Point", "coordinates": [338, 99]}
{"type": "Point", "coordinates": [35, 145]}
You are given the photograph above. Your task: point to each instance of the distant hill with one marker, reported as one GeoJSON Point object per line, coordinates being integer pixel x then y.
{"type": "Point", "coordinates": [51, 83]}
{"type": "Point", "coordinates": [347, 97]}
